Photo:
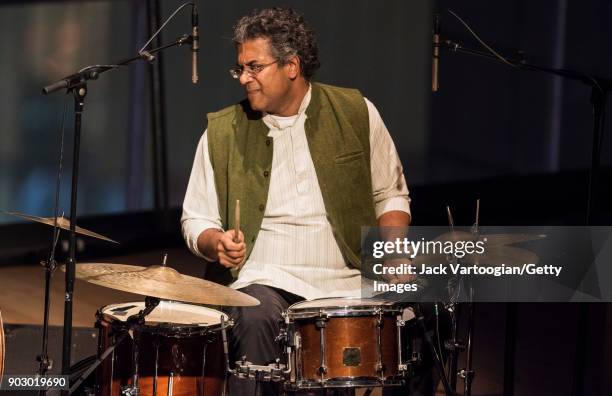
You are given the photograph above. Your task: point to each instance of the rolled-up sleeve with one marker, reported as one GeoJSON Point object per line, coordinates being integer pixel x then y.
{"type": "Point", "coordinates": [201, 205]}
{"type": "Point", "coordinates": [388, 183]}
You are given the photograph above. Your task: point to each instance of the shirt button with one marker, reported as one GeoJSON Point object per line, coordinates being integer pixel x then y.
{"type": "Point", "coordinates": [268, 142]}
{"type": "Point", "coordinates": [266, 173]}
{"type": "Point", "coordinates": [262, 207]}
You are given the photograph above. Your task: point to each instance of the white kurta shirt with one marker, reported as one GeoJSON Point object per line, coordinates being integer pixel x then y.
{"type": "Point", "coordinates": [295, 249]}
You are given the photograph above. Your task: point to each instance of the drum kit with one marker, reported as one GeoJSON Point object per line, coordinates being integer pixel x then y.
{"type": "Point", "coordinates": [171, 344]}
{"type": "Point", "coordinates": [165, 347]}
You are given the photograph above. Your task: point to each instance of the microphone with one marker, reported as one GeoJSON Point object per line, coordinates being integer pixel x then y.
{"type": "Point", "coordinates": [195, 44]}
{"type": "Point", "coordinates": [436, 54]}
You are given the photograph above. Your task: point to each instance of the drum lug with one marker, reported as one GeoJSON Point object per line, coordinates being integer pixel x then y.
{"type": "Point", "coordinates": [282, 336]}
{"type": "Point", "coordinates": [465, 373]}
{"type": "Point", "coordinates": [129, 391]}
{"type": "Point", "coordinates": [322, 370]}
{"type": "Point", "coordinates": [402, 367]}
{"type": "Point", "coordinates": [321, 319]}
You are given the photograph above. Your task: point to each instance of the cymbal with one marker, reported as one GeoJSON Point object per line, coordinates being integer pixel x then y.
{"type": "Point", "coordinates": [511, 256]}
{"type": "Point", "coordinates": [491, 239]}
{"type": "Point", "coordinates": [493, 256]}
{"type": "Point", "coordinates": [62, 223]}
{"type": "Point", "coordinates": [161, 282]}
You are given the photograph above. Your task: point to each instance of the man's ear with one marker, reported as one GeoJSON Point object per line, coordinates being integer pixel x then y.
{"type": "Point", "coordinates": [294, 67]}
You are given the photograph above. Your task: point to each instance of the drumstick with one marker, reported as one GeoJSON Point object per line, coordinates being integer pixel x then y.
{"type": "Point", "coordinates": [237, 222]}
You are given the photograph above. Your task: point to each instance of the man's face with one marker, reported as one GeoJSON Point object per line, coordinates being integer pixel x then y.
{"type": "Point", "coordinates": [269, 89]}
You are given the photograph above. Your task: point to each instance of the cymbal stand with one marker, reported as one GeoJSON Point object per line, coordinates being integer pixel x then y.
{"type": "Point", "coordinates": [45, 362]}
{"type": "Point", "coordinates": [454, 345]}
{"type": "Point", "coordinates": [468, 372]}
{"type": "Point", "coordinates": [420, 319]}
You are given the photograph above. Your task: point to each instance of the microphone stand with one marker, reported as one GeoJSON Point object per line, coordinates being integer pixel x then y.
{"type": "Point", "coordinates": [77, 85]}
{"type": "Point", "coordinates": [599, 90]}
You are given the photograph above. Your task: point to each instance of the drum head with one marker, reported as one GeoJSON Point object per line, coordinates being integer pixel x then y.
{"type": "Point", "coordinates": [347, 306]}
{"type": "Point", "coordinates": [166, 314]}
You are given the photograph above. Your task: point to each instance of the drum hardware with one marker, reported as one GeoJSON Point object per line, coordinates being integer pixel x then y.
{"type": "Point", "coordinates": [274, 372]}
{"type": "Point", "coordinates": [468, 371]}
{"type": "Point", "coordinates": [320, 325]}
{"type": "Point", "coordinates": [420, 318]}
{"type": "Point", "coordinates": [170, 383]}
{"type": "Point", "coordinates": [96, 363]}
{"type": "Point", "coordinates": [402, 368]}
{"type": "Point", "coordinates": [134, 322]}
{"type": "Point", "coordinates": [510, 255]}
{"type": "Point", "coordinates": [380, 367]}
{"type": "Point", "coordinates": [156, 345]}
{"type": "Point", "coordinates": [45, 363]}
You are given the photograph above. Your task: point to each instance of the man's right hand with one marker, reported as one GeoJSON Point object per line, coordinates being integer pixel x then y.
{"type": "Point", "coordinates": [218, 245]}
{"type": "Point", "coordinates": [231, 254]}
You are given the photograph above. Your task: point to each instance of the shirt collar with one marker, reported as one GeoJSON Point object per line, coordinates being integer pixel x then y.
{"type": "Point", "coordinates": [275, 122]}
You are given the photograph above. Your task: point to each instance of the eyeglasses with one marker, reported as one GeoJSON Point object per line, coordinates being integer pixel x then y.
{"type": "Point", "coordinates": [251, 70]}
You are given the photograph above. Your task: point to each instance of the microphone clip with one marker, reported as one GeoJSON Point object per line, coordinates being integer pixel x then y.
{"type": "Point", "coordinates": [146, 55]}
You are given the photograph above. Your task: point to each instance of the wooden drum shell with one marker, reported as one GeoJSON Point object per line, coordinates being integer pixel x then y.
{"type": "Point", "coordinates": [195, 360]}
{"type": "Point", "coordinates": [344, 342]}
{"type": "Point", "coordinates": [349, 332]}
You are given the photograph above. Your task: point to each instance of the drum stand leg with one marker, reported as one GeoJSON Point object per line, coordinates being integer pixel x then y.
{"type": "Point", "coordinates": [468, 372]}
{"type": "Point", "coordinates": [437, 359]}
{"type": "Point", "coordinates": [45, 362]}
{"type": "Point", "coordinates": [134, 322]}
{"type": "Point", "coordinates": [454, 346]}
{"type": "Point", "coordinates": [133, 390]}
{"type": "Point", "coordinates": [96, 363]}
{"type": "Point", "coordinates": [204, 368]}
{"type": "Point", "coordinates": [156, 344]}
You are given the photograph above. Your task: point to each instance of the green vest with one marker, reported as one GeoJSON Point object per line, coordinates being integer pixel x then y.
{"type": "Point", "coordinates": [337, 131]}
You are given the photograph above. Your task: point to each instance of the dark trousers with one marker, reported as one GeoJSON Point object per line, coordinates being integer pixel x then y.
{"type": "Point", "coordinates": [253, 337]}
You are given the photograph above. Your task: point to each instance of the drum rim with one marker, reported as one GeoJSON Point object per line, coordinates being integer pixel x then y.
{"type": "Point", "coordinates": [342, 310]}
{"type": "Point", "coordinates": [166, 328]}
{"type": "Point", "coordinates": [343, 382]}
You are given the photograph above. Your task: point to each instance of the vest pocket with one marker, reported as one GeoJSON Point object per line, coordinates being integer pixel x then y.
{"type": "Point", "coordinates": [348, 157]}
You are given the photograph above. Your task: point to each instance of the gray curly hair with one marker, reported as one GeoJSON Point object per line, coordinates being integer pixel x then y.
{"type": "Point", "coordinates": [288, 33]}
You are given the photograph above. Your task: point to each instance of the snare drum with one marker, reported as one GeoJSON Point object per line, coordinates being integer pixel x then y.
{"type": "Point", "coordinates": [179, 349]}
{"type": "Point", "coordinates": [345, 342]}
